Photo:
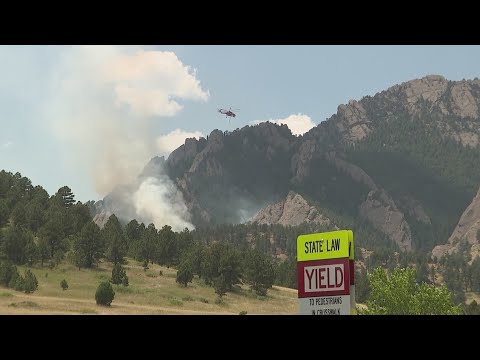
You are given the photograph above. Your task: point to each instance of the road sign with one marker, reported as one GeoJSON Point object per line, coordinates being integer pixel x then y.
{"type": "Point", "coordinates": [325, 305]}
{"type": "Point", "coordinates": [326, 273]}
{"type": "Point", "coordinates": [321, 246]}
{"type": "Point", "coordinates": [323, 277]}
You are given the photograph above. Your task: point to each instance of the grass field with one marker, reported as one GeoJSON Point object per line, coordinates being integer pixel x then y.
{"type": "Point", "coordinates": [148, 293]}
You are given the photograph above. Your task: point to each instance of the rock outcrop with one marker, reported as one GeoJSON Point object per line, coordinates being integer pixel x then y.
{"type": "Point", "coordinates": [467, 228]}
{"type": "Point", "coordinates": [292, 211]}
{"type": "Point", "coordinates": [380, 210]}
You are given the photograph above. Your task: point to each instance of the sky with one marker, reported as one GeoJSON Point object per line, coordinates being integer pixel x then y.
{"type": "Point", "coordinates": [91, 117]}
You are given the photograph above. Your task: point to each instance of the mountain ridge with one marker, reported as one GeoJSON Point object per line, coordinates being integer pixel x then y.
{"type": "Point", "coordinates": [345, 160]}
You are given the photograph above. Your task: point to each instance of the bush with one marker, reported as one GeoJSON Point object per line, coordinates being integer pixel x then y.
{"type": "Point", "coordinates": [30, 283]}
{"type": "Point", "coordinates": [119, 275]}
{"type": "Point", "coordinates": [243, 312]}
{"type": "Point", "coordinates": [184, 274]}
{"type": "Point", "coordinates": [64, 284]}
{"type": "Point", "coordinates": [104, 294]}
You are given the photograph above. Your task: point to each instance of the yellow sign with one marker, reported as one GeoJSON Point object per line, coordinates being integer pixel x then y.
{"type": "Point", "coordinates": [350, 240]}
{"type": "Point", "coordinates": [327, 245]}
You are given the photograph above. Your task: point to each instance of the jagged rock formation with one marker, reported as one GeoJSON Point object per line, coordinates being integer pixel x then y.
{"type": "Point", "coordinates": [230, 176]}
{"type": "Point", "coordinates": [467, 228]}
{"type": "Point", "coordinates": [380, 210]}
{"type": "Point", "coordinates": [292, 211]}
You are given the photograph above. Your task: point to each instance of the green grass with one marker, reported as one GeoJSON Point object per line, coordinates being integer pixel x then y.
{"type": "Point", "coordinates": [176, 302]}
{"type": "Point", "coordinates": [146, 294]}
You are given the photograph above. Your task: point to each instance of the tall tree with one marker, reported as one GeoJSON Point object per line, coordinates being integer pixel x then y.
{"type": "Point", "coordinates": [133, 231]}
{"type": "Point", "coordinates": [184, 273]}
{"type": "Point", "coordinates": [14, 243]}
{"type": "Point", "coordinates": [88, 246]}
{"type": "Point", "coordinates": [43, 250]}
{"type": "Point", "coordinates": [259, 271]}
{"type": "Point", "coordinates": [114, 239]}
{"type": "Point", "coordinates": [53, 233]}
{"type": "Point", "coordinates": [119, 275]}
{"type": "Point", "coordinates": [79, 216]}
{"type": "Point", "coordinates": [65, 197]}
{"type": "Point", "coordinates": [167, 248]}
{"type": "Point", "coordinates": [144, 248]}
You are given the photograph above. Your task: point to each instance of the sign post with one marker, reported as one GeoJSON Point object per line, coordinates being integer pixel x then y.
{"type": "Point", "coordinates": [325, 271]}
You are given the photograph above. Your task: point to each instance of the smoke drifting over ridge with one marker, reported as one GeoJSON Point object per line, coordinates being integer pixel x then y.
{"type": "Point", "coordinates": [103, 105]}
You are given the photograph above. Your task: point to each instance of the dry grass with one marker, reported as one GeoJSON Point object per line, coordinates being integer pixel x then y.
{"type": "Point", "coordinates": [148, 293]}
{"type": "Point", "coordinates": [470, 296]}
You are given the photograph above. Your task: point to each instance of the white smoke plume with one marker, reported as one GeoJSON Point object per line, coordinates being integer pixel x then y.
{"type": "Point", "coordinates": [158, 201]}
{"type": "Point", "coordinates": [104, 101]}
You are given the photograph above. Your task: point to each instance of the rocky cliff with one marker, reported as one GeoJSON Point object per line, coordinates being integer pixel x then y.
{"type": "Point", "coordinates": [292, 211]}
{"type": "Point", "coordinates": [468, 228]}
{"type": "Point", "coordinates": [345, 163]}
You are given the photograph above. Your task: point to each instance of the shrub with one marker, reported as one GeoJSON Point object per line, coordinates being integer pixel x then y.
{"type": "Point", "coordinates": [64, 284]}
{"type": "Point", "coordinates": [104, 294]}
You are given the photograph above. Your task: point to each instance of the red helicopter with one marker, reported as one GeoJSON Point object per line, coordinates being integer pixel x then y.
{"type": "Point", "coordinates": [227, 113]}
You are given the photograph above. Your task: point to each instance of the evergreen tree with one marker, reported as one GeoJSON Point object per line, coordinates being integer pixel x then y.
{"type": "Point", "coordinates": [119, 276]}
{"type": "Point", "coordinates": [65, 197]}
{"type": "Point", "coordinates": [184, 274]}
{"type": "Point", "coordinates": [258, 271]}
{"type": "Point", "coordinates": [104, 294]}
{"type": "Point", "coordinates": [114, 240]}
{"type": "Point", "coordinates": [64, 284]}
{"type": "Point", "coordinates": [30, 283]}
{"type": "Point", "coordinates": [88, 246]}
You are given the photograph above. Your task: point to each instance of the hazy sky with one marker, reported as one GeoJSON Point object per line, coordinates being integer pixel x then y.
{"type": "Point", "coordinates": [91, 117]}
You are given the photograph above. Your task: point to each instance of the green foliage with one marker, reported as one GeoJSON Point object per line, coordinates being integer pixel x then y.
{"type": "Point", "coordinates": [10, 277]}
{"type": "Point", "coordinates": [243, 312]}
{"type": "Point", "coordinates": [53, 233]}
{"type": "Point", "coordinates": [220, 286]}
{"type": "Point", "coordinates": [258, 271]}
{"type": "Point", "coordinates": [7, 271]}
{"type": "Point", "coordinates": [221, 267]}
{"type": "Point", "coordinates": [397, 293]}
{"type": "Point", "coordinates": [413, 157]}
{"type": "Point", "coordinates": [167, 252]}
{"type": "Point", "coordinates": [14, 244]}
{"type": "Point", "coordinates": [65, 197]}
{"type": "Point", "coordinates": [30, 283]}
{"type": "Point", "coordinates": [104, 294]}
{"type": "Point", "coordinates": [64, 284]}
{"type": "Point", "coordinates": [115, 241]}
{"type": "Point", "coordinates": [286, 274]}
{"type": "Point", "coordinates": [362, 286]}
{"type": "Point", "coordinates": [119, 275]}
{"type": "Point", "coordinates": [144, 243]}
{"type": "Point", "coordinates": [475, 275]}
{"type": "Point", "coordinates": [4, 212]}
{"type": "Point", "coordinates": [184, 274]}
{"type": "Point", "coordinates": [455, 275]}
{"type": "Point", "coordinates": [422, 272]}
{"type": "Point", "coordinates": [42, 250]}
{"type": "Point", "coordinates": [87, 246]}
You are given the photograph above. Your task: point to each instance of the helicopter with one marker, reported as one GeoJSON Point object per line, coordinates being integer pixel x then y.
{"type": "Point", "coordinates": [227, 113]}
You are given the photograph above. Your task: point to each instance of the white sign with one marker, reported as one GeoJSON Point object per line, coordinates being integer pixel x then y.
{"type": "Point", "coordinates": [322, 278]}
{"type": "Point", "coordinates": [325, 305]}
